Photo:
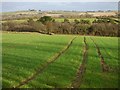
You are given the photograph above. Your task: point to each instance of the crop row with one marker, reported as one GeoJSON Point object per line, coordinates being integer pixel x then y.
{"type": "Point", "coordinates": [76, 63]}
{"type": "Point", "coordinates": [23, 54]}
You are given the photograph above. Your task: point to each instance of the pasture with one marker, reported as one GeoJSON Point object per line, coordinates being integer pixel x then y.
{"type": "Point", "coordinates": [33, 60]}
{"type": "Point", "coordinates": [56, 19]}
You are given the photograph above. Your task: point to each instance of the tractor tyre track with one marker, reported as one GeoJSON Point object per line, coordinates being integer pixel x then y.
{"type": "Point", "coordinates": [79, 76]}
{"type": "Point", "coordinates": [106, 50]}
{"type": "Point", "coordinates": [105, 67]}
{"type": "Point", "coordinates": [40, 70]}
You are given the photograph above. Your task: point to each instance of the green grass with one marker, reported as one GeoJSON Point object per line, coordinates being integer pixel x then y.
{"type": "Point", "coordinates": [93, 69]}
{"type": "Point", "coordinates": [94, 77]}
{"type": "Point", "coordinates": [109, 50]}
{"type": "Point", "coordinates": [17, 21]}
{"type": "Point", "coordinates": [23, 53]}
{"type": "Point", "coordinates": [63, 71]}
{"type": "Point", "coordinates": [72, 20]}
{"type": "Point", "coordinates": [57, 20]}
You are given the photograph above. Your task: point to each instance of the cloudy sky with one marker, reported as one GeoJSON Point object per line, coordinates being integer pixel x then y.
{"type": "Point", "coordinates": [78, 6]}
{"type": "Point", "coordinates": [60, 0]}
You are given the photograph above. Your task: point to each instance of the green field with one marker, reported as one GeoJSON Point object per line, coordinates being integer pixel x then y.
{"type": "Point", "coordinates": [72, 20]}
{"type": "Point", "coordinates": [57, 20]}
{"type": "Point", "coordinates": [32, 60]}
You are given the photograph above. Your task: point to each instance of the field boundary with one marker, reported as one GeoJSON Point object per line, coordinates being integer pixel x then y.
{"type": "Point", "coordinates": [79, 76]}
{"type": "Point", "coordinates": [105, 67]}
{"type": "Point", "coordinates": [50, 61]}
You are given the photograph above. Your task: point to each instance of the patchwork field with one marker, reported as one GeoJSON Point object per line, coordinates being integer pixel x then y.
{"type": "Point", "coordinates": [62, 61]}
{"type": "Point", "coordinates": [57, 20]}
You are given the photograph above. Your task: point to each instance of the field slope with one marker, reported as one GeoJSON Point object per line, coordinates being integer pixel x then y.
{"type": "Point", "coordinates": [32, 60]}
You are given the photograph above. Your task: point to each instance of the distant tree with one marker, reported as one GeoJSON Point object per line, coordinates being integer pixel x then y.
{"type": "Point", "coordinates": [30, 21]}
{"type": "Point", "coordinates": [84, 21]}
{"type": "Point", "coordinates": [66, 20]}
{"type": "Point", "coordinates": [104, 29]}
{"type": "Point", "coordinates": [53, 20]}
{"type": "Point", "coordinates": [39, 27]}
{"type": "Point", "coordinates": [56, 27]}
{"type": "Point", "coordinates": [9, 25]}
{"type": "Point", "coordinates": [66, 28]}
{"type": "Point", "coordinates": [45, 19]}
{"type": "Point", "coordinates": [76, 21]}
{"type": "Point", "coordinates": [49, 26]}
{"type": "Point", "coordinates": [104, 20]}
{"type": "Point", "coordinates": [84, 28]}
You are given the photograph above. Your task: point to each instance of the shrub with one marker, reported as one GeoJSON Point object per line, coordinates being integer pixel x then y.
{"type": "Point", "coordinates": [45, 19]}
{"type": "Point", "coordinates": [84, 21]}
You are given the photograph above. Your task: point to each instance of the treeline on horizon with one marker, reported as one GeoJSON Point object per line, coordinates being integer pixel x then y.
{"type": "Point", "coordinates": [47, 25]}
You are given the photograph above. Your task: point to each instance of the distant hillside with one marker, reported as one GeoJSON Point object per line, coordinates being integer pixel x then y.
{"type": "Point", "coordinates": [58, 14]}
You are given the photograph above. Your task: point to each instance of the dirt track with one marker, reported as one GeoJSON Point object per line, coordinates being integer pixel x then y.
{"type": "Point", "coordinates": [105, 67]}
{"type": "Point", "coordinates": [78, 80]}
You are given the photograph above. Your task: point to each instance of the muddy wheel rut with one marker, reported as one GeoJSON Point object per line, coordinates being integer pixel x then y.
{"type": "Point", "coordinates": [40, 70]}
{"type": "Point", "coordinates": [105, 67]}
{"type": "Point", "coordinates": [80, 73]}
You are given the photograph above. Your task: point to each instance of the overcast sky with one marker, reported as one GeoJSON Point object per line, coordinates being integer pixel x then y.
{"type": "Point", "coordinates": [77, 6]}
{"type": "Point", "coordinates": [60, 0]}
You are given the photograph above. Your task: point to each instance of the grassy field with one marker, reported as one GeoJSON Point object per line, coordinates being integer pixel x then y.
{"type": "Point", "coordinates": [48, 61]}
{"type": "Point", "coordinates": [57, 20]}
{"type": "Point", "coordinates": [72, 20]}
{"type": "Point", "coordinates": [16, 21]}
{"type": "Point", "coordinates": [94, 77]}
